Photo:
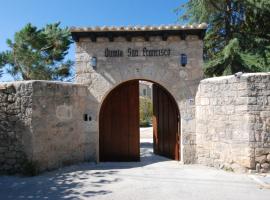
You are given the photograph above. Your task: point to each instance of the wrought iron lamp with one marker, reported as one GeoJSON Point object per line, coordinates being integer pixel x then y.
{"type": "Point", "coordinates": [93, 62]}
{"type": "Point", "coordinates": [183, 59]}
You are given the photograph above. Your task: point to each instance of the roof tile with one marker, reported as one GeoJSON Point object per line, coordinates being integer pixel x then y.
{"type": "Point", "coordinates": [138, 28]}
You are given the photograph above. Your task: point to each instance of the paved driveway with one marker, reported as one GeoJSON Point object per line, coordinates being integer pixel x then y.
{"type": "Point", "coordinates": [153, 178]}
{"type": "Point", "coordinates": [146, 133]}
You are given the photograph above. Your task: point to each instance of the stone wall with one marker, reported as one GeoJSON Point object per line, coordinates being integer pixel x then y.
{"type": "Point", "coordinates": [181, 82]}
{"type": "Point", "coordinates": [15, 126]}
{"type": "Point", "coordinates": [232, 121]}
{"type": "Point", "coordinates": [259, 119]}
{"type": "Point", "coordinates": [62, 136]}
{"type": "Point", "coordinates": [43, 123]}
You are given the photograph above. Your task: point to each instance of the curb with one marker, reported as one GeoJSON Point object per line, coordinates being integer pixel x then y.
{"type": "Point", "coordinates": [260, 182]}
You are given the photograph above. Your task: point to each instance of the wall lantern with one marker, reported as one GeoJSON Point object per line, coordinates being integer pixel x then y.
{"type": "Point", "coordinates": [183, 59]}
{"type": "Point", "coordinates": [93, 62]}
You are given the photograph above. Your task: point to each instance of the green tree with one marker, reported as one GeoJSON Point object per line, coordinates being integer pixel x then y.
{"type": "Point", "coordinates": [1, 71]}
{"type": "Point", "coordinates": [38, 54]}
{"type": "Point", "coordinates": [146, 111]}
{"type": "Point", "coordinates": [237, 38]}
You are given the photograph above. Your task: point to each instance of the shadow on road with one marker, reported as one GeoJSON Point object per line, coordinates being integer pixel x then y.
{"type": "Point", "coordinates": [146, 155]}
{"type": "Point", "coordinates": [61, 184]}
{"type": "Point", "coordinates": [67, 183]}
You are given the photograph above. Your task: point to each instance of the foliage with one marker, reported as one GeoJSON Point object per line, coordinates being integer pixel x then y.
{"type": "Point", "coordinates": [38, 53]}
{"type": "Point", "coordinates": [237, 38]}
{"type": "Point", "coordinates": [146, 111]}
{"type": "Point", "coordinates": [231, 60]}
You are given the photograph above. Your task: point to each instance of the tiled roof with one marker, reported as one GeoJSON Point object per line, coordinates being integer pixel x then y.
{"type": "Point", "coordinates": [134, 31]}
{"type": "Point", "coordinates": [138, 28]}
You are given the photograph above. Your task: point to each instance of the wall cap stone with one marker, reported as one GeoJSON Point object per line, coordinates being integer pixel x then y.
{"type": "Point", "coordinates": [15, 83]}
{"type": "Point", "coordinates": [244, 76]}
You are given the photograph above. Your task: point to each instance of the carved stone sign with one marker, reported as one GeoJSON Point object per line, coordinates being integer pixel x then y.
{"type": "Point", "coordinates": [137, 52]}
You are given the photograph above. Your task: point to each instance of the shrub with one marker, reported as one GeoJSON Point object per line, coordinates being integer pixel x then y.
{"type": "Point", "coordinates": [146, 111]}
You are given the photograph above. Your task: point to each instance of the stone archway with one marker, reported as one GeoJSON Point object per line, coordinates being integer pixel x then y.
{"type": "Point", "coordinates": [109, 70]}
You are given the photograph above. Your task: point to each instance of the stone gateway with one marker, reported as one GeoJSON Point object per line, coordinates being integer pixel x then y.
{"type": "Point", "coordinates": [159, 51]}
{"type": "Point", "coordinates": [222, 122]}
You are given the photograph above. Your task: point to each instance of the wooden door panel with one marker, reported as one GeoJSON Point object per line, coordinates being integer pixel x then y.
{"type": "Point", "coordinates": [119, 124]}
{"type": "Point", "coordinates": [133, 121]}
{"type": "Point", "coordinates": [165, 124]}
{"type": "Point", "coordinates": [155, 119]}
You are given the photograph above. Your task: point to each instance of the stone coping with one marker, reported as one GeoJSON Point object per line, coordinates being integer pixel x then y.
{"type": "Point", "coordinates": [39, 81]}
{"type": "Point", "coordinates": [237, 76]}
{"type": "Point", "coordinates": [16, 84]}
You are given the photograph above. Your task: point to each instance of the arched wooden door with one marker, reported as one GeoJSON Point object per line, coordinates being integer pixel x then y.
{"type": "Point", "coordinates": [119, 124]}
{"type": "Point", "coordinates": [166, 124]}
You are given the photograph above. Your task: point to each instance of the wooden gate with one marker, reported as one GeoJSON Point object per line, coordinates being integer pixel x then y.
{"type": "Point", "coordinates": [119, 124]}
{"type": "Point", "coordinates": [165, 124]}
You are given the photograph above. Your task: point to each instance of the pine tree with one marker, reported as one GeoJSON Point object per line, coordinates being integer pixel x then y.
{"type": "Point", "coordinates": [237, 38]}
{"type": "Point", "coordinates": [38, 54]}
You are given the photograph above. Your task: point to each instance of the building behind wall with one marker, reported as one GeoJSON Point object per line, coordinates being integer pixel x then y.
{"type": "Point", "coordinates": [145, 89]}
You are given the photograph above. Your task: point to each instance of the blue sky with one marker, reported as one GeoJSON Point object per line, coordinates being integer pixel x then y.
{"type": "Point", "coordinates": [14, 14]}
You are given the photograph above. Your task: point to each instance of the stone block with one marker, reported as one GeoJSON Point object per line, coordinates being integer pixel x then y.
{"type": "Point", "coordinates": [242, 86]}
{"type": "Point", "coordinates": [3, 149]}
{"type": "Point", "coordinates": [243, 93]}
{"type": "Point", "coordinates": [241, 109]}
{"type": "Point", "coordinates": [10, 155]}
{"type": "Point", "coordinates": [265, 114]}
{"type": "Point", "coordinates": [241, 101]}
{"type": "Point", "coordinates": [239, 168]}
{"type": "Point", "coordinates": [11, 161]}
{"type": "Point", "coordinates": [204, 101]}
{"type": "Point", "coordinates": [265, 166]}
{"type": "Point", "coordinates": [261, 159]}
{"type": "Point", "coordinates": [262, 151]}
{"type": "Point", "coordinates": [268, 158]}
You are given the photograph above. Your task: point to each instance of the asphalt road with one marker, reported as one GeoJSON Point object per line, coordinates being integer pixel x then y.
{"type": "Point", "coordinates": [154, 178]}
{"type": "Point", "coordinates": [146, 133]}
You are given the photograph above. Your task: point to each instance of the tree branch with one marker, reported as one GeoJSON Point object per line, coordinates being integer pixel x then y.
{"type": "Point", "coordinates": [215, 5]}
